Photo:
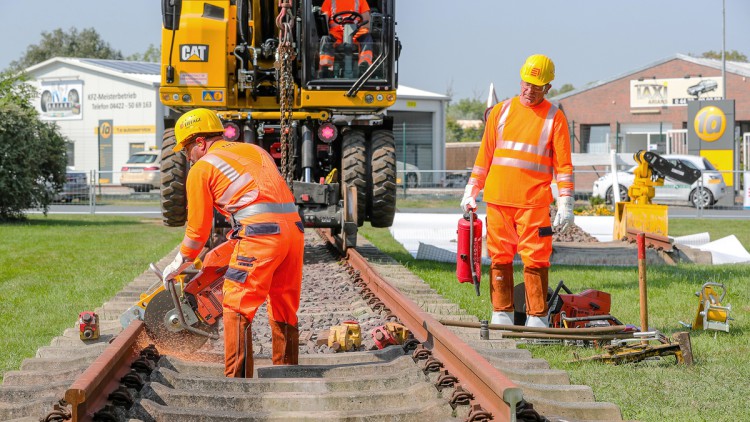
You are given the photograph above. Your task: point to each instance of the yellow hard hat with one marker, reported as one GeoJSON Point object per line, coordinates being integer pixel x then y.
{"type": "Point", "coordinates": [538, 70]}
{"type": "Point", "coordinates": [193, 122]}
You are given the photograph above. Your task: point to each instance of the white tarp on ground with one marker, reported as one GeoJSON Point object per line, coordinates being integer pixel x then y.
{"type": "Point", "coordinates": [433, 237]}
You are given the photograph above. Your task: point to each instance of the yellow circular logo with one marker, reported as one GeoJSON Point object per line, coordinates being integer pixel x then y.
{"type": "Point", "coordinates": [105, 130]}
{"type": "Point", "coordinates": [710, 123]}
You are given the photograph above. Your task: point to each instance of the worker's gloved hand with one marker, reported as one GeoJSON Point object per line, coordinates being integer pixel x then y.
{"type": "Point", "coordinates": [564, 217]}
{"type": "Point", "coordinates": [469, 200]}
{"type": "Point", "coordinates": [174, 269]}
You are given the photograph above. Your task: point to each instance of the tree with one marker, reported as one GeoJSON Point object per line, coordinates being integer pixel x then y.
{"type": "Point", "coordinates": [730, 56]}
{"type": "Point", "coordinates": [464, 109]}
{"type": "Point", "coordinates": [58, 43]}
{"type": "Point", "coordinates": [32, 152]}
{"type": "Point", "coordinates": [563, 89]}
{"type": "Point", "coordinates": [152, 54]}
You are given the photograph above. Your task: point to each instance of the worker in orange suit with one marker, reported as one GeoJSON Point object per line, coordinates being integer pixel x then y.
{"type": "Point", "coordinates": [243, 183]}
{"type": "Point", "coordinates": [526, 142]}
{"type": "Point", "coordinates": [362, 38]}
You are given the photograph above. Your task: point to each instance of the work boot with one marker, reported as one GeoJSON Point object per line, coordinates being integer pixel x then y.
{"type": "Point", "coordinates": [284, 343]}
{"type": "Point", "coordinates": [537, 321]}
{"type": "Point", "coordinates": [238, 345]}
{"type": "Point", "coordinates": [536, 282]}
{"type": "Point", "coordinates": [501, 287]}
{"type": "Point", "coordinates": [504, 318]}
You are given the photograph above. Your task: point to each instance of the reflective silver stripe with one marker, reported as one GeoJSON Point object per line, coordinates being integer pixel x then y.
{"type": "Point", "coordinates": [265, 207]}
{"type": "Point", "coordinates": [564, 177]}
{"type": "Point", "coordinates": [222, 166]}
{"type": "Point", "coordinates": [522, 164]}
{"type": "Point", "coordinates": [479, 171]}
{"type": "Point", "coordinates": [333, 7]}
{"type": "Point", "coordinates": [546, 131]}
{"type": "Point", "coordinates": [504, 111]}
{"type": "Point", "coordinates": [566, 192]}
{"type": "Point", "coordinates": [191, 244]}
{"type": "Point", "coordinates": [234, 187]}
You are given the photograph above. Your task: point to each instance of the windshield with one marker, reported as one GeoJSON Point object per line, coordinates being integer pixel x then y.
{"type": "Point", "coordinates": [708, 165]}
{"type": "Point", "coordinates": [142, 159]}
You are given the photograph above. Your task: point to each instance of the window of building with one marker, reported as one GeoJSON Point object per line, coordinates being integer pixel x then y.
{"type": "Point", "coordinates": [70, 153]}
{"type": "Point", "coordinates": [595, 139]}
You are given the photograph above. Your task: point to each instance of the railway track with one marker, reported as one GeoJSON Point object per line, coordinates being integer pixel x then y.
{"type": "Point", "coordinates": [444, 373]}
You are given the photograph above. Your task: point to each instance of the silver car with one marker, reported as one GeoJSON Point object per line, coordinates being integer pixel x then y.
{"type": "Point", "coordinates": [713, 186]}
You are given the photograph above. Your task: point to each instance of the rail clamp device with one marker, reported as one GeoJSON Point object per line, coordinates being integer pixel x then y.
{"type": "Point", "coordinates": [88, 325]}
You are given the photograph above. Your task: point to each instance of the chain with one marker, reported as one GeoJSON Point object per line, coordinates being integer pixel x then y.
{"type": "Point", "coordinates": [284, 57]}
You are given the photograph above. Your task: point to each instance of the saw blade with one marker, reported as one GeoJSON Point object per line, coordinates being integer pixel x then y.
{"type": "Point", "coordinates": [164, 328]}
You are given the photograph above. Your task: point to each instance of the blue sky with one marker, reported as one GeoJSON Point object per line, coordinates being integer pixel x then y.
{"type": "Point", "coordinates": [462, 49]}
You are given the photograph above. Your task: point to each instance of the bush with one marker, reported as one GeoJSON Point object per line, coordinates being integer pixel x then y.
{"type": "Point", "coordinates": [32, 153]}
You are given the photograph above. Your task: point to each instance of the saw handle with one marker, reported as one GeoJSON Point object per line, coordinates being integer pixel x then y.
{"type": "Point", "coordinates": [178, 305]}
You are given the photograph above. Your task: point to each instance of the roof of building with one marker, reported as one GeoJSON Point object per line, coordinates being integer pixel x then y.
{"type": "Point", "coordinates": [141, 72]}
{"type": "Point", "coordinates": [150, 73]}
{"type": "Point", "coordinates": [739, 68]}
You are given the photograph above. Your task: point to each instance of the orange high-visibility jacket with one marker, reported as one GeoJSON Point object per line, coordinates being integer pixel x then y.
{"type": "Point", "coordinates": [331, 7]}
{"type": "Point", "coordinates": [521, 148]}
{"type": "Point", "coordinates": [230, 177]}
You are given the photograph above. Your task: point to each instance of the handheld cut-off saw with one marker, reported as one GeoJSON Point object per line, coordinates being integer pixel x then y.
{"type": "Point", "coordinates": [183, 317]}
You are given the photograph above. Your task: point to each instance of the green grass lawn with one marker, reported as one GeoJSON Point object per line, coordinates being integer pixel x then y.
{"type": "Point", "coordinates": [715, 389]}
{"type": "Point", "coordinates": [52, 268]}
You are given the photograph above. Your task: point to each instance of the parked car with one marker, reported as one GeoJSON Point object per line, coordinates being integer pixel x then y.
{"type": "Point", "coordinates": [706, 85]}
{"type": "Point", "coordinates": [409, 175]}
{"type": "Point", "coordinates": [141, 172]}
{"type": "Point", "coordinates": [76, 186]}
{"type": "Point", "coordinates": [713, 188]}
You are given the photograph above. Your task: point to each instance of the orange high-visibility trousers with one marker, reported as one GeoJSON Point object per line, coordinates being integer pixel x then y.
{"type": "Point", "coordinates": [265, 264]}
{"type": "Point", "coordinates": [528, 232]}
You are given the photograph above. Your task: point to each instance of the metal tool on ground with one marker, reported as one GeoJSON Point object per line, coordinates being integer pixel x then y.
{"type": "Point", "coordinates": [344, 337]}
{"type": "Point", "coordinates": [622, 351]}
{"type": "Point", "coordinates": [712, 315]}
{"type": "Point", "coordinates": [88, 325]}
{"type": "Point", "coordinates": [392, 333]}
{"type": "Point", "coordinates": [469, 250]}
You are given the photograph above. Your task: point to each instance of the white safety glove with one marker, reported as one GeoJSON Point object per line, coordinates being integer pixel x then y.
{"type": "Point", "coordinates": [469, 201]}
{"type": "Point", "coordinates": [564, 217]}
{"type": "Point", "coordinates": [174, 269]}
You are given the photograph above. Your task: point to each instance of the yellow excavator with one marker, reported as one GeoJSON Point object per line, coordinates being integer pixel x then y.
{"type": "Point", "coordinates": [639, 214]}
{"type": "Point", "coordinates": [255, 62]}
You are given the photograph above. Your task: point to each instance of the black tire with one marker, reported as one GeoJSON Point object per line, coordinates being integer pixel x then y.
{"type": "Point", "coordinates": [174, 169]}
{"type": "Point", "coordinates": [610, 195]}
{"type": "Point", "coordinates": [381, 197]}
{"type": "Point", "coordinates": [354, 170]}
{"type": "Point", "coordinates": [701, 198]}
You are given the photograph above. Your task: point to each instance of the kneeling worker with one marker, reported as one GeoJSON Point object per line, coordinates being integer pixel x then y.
{"type": "Point", "coordinates": [243, 183]}
{"type": "Point", "coordinates": [525, 140]}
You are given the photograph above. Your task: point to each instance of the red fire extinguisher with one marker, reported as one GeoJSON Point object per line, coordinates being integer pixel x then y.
{"type": "Point", "coordinates": [469, 253]}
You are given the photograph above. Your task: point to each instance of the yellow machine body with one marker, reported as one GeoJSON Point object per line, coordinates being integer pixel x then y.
{"type": "Point", "coordinates": [712, 315]}
{"type": "Point", "coordinates": [347, 336]}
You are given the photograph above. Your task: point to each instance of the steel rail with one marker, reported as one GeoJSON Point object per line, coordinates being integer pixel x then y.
{"type": "Point", "coordinates": [587, 331]}
{"type": "Point", "coordinates": [490, 388]}
{"type": "Point", "coordinates": [90, 390]}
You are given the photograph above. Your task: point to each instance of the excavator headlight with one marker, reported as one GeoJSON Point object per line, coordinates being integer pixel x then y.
{"type": "Point", "coordinates": [369, 98]}
{"type": "Point", "coordinates": [379, 97]}
{"type": "Point", "coordinates": [175, 97]}
{"type": "Point", "coordinates": [186, 98]}
{"type": "Point", "coordinates": [327, 132]}
{"type": "Point", "coordinates": [390, 97]}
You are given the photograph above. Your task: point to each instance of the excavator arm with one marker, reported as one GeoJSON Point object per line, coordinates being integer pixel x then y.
{"type": "Point", "coordinates": [639, 214]}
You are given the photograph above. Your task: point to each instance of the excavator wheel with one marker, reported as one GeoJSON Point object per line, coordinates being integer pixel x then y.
{"type": "Point", "coordinates": [354, 168]}
{"type": "Point", "coordinates": [174, 169]}
{"type": "Point", "coordinates": [381, 197]}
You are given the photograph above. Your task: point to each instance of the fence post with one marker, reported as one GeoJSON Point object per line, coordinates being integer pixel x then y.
{"type": "Point", "coordinates": [92, 191]}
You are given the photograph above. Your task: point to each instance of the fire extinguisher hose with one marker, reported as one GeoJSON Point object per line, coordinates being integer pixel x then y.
{"type": "Point", "coordinates": [475, 279]}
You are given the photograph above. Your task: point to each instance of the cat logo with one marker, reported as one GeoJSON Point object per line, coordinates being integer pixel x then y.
{"type": "Point", "coordinates": [193, 52]}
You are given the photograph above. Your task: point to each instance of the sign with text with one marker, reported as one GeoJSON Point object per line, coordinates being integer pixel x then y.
{"type": "Point", "coordinates": [674, 92]}
{"type": "Point", "coordinates": [60, 100]}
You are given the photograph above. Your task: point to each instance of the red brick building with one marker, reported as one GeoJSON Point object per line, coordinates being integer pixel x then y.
{"type": "Point", "coordinates": [647, 108]}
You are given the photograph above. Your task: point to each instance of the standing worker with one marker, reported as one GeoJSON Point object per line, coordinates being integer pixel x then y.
{"type": "Point", "coordinates": [242, 182]}
{"type": "Point", "coordinates": [335, 37]}
{"type": "Point", "coordinates": [526, 138]}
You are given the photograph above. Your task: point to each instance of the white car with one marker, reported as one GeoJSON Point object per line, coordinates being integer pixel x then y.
{"type": "Point", "coordinates": [713, 188]}
{"type": "Point", "coordinates": [142, 171]}
{"type": "Point", "coordinates": [409, 175]}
